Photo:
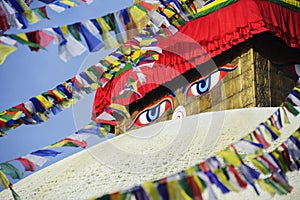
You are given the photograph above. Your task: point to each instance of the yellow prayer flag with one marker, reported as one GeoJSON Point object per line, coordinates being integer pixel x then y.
{"type": "Point", "coordinates": [112, 61]}
{"type": "Point", "coordinates": [102, 23]}
{"type": "Point", "coordinates": [176, 192]}
{"type": "Point", "coordinates": [5, 51]}
{"type": "Point", "coordinates": [266, 186]}
{"type": "Point", "coordinates": [231, 157]}
{"type": "Point", "coordinates": [151, 190]}
{"type": "Point", "coordinates": [68, 2]}
{"type": "Point", "coordinates": [64, 30]}
{"type": "Point", "coordinates": [296, 134]}
{"type": "Point", "coordinates": [31, 16]}
{"type": "Point", "coordinates": [28, 13]}
{"type": "Point", "coordinates": [169, 13]}
{"type": "Point", "coordinates": [44, 101]}
{"type": "Point", "coordinates": [4, 182]}
{"type": "Point", "coordinates": [136, 54]}
{"type": "Point", "coordinates": [260, 166]}
{"type": "Point", "coordinates": [59, 94]}
{"type": "Point", "coordinates": [139, 17]}
{"type": "Point", "coordinates": [221, 176]}
{"type": "Point", "coordinates": [108, 40]}
{"type": "Point", "coordinates": [23, 36]}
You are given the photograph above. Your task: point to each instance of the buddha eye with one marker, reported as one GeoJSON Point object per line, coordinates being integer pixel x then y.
{"type": "Point", "coordinates": [200, 87]}
{"type": "Point", "coordinates": [152, 113]}
{"type": "Point", "coordinates": [203, 85]}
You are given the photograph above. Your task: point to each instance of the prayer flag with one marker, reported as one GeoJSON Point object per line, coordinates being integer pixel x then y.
{"type": "Point", "coordinates": [5, 51]}
{"type": "Point", "coordinates": [37, 160]}
{"type": "Point", "coordinates": [4, 26]}
{"type": "Point", "coordinates": [42, 12]}
{"type": "Point", "coordinates": [94, 44]}
{"type": "Point", "coordinates": [109, 41]}
{"type": "Point", "coordinates": [11, 15]}
{"type": "Point", "coordinates": [31, 16]}
{"type": "Point", "coordinates": [11, 170]}
{"type": "Point", "coordinates": [150, 188]}
{"type": "Point", "coordinates": [23, 39]}
{"type": "Point", "coordinates": [56, 8]}
{"type": "Point", "coordinates": [45, 152]}
{"type": "Point", "coordinates": [68, 142]}
{"type": "Point", "coordinates": [4, 182]}
{"type": "Point", "coordinates": [27, 164]}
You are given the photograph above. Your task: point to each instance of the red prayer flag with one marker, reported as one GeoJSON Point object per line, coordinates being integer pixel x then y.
{"type": "Point", "coordinates": [4, 26]}
{"type": "Point", "coordinates": [43, 10]}
{"type": "Point", "coordinates": [82, 143]}
{"type": "Point", "coordinates": [147, 6]}
{"type": "Point", "coordinates": [39, 37]}
{"type": "Point", "coordinates": [35, 38]}
{"type": "Point", "coordinates": [204, 166]}
{"type": "Point", "coordinates": [46, 39]}
{"type": "Point", "coordinates": [194, 187]}
{"type": "Point", "coordinates": [23, 109]}
{"type": "Point", "coordinates": [2, 124]}
{"type": "Point", "coordinates": [261, 140]}
{"type": "Point", "coordinates": [237, 176]}
{"type": "Point", "coordinates": [28, 165]}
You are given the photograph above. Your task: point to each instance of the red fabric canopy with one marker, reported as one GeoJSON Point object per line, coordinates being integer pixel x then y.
{"type": "Point", "coordinates": [207, 37]}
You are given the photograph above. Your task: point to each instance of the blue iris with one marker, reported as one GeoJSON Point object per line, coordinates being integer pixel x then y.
{"type": "Point", "coordinates": [153, 113]}
{"type": "Point", "coordinates": [203, 86]}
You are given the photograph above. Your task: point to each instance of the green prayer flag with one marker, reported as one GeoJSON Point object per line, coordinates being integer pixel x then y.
{"type": "Point", "coordinates": [15, 195]}
{"type": "Point", "coordinates": [74, 32]}
{"type": "Point", "coordinates": [291, 108]}
{"type": "Point", "coordinates": [22, 41]}
{"type": "Point", "coordinates": [42, 12]}
{"type": "Point", "coordinates": [186, 187]}
{"type": "Point", "coordinates": [11, 170]}
{"type": "Point", "coordinates": [109, 20]}
{"type": "Point", "coordinates": [95, 72]}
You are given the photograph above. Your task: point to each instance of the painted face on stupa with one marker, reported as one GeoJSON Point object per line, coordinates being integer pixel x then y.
{"type": "Point", "coordinates": [163, 103]}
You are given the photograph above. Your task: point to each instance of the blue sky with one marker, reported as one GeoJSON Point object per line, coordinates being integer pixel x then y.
{"type": "Point", "coordinates": [26, 74]}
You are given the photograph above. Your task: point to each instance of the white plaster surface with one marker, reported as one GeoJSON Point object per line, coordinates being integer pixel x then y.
{"type": "Point", "coordinates": [150, 153]}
